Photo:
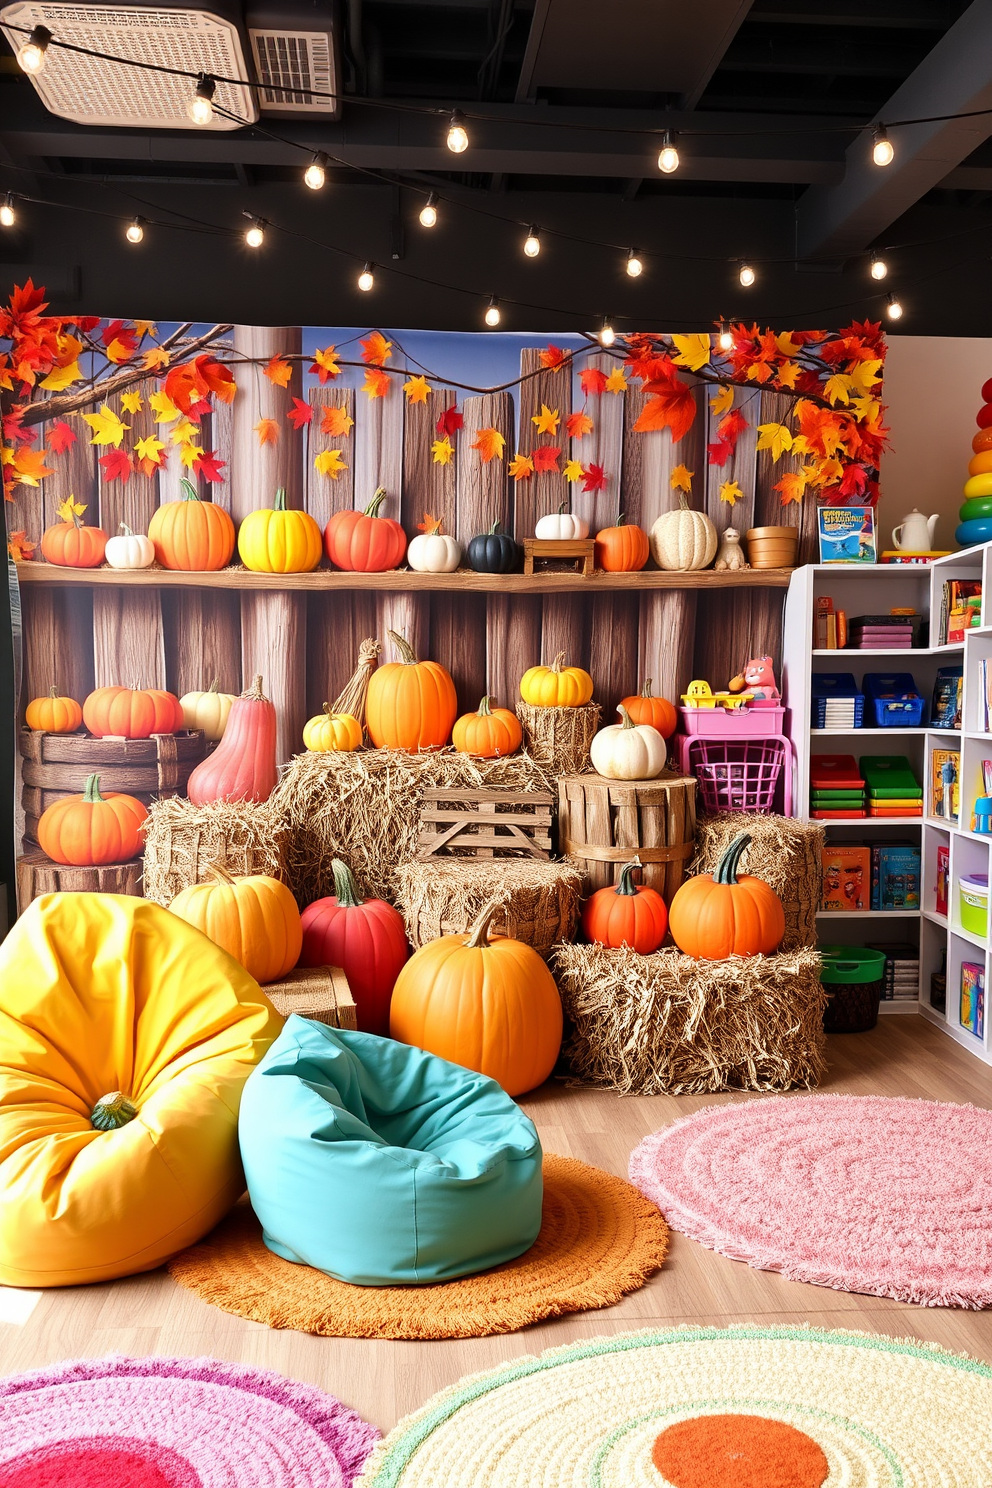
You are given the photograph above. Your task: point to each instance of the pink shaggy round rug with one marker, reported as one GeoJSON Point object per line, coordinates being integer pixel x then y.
{"type": "Point", "coordinates": [174, 1423]}
{"type": "Point", "coordinates": [861, 1193]}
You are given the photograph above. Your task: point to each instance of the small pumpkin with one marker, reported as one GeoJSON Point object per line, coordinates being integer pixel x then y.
{"type": "Point", "coordinates": [628, 750]}
{"type": "Point", "coordinates": [280, 541]}
{"type": "Point", "coordinates": [130, 549]}
{"type": "Point", "coordinates": [331, 731]}
{"type": "Point", "coordinates": [561, 526]}
{"type": "Point", "coordinates": [488, 1004]}
{"type": "Point", "coordinates": [489, 733]}
{"type": "Point", "coordinates": [90, 830]}
{"type": "Point", "coordinates": [53, 714]}
{"type": "Point", "coordinates": [684, 540]}
{"type": "Point", "coordinates": [411, 704]}
{"type": "Point", "coordinates": [556, 686]}
{"type": "Point", "coordinates": [255, 919]}
{"type": "Point", "coordinates": [433, 551]}
{"type": "Point", "coordinates": [626, 914]}
{"type": "Point", "coordinates": [365, 937]}
{"type": "Point", "coordinates": [493, 552]}
{"type": "Point", "coordinates": [192, 535]}
{"type": "Point", "coordinates": [623, 548]}
{"type": "Point", "coordinates": [132, 712]}
{"type": "Point", "coordinates": [657, 711]}
{"type": "Point", "coordinates": [725, 913]}
{"type": "Point", "coordinates": [243, 766]}
{"type": "Point", "coordinates": [365, 542]}
{"type": "Point", "coordinates": [70, 543]}
{"type": "Point", "coordinates": [207, 710]}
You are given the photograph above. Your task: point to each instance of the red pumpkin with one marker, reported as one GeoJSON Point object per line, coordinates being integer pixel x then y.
{"type": "Point", "coordinates": [364, 542]}
{"type": "Point", "coordinates": [656, 711]}
{"type": "Point", "coordinates": [626, 914]}
{"type": "Point", "coordinates": [721, 914]}
{"type": "Point", "coordinates": [132, 712]}
{"type": "Point", "coordinates": [243, 766]}
{"type": "Point", "coordinates": [622, 549]}
{"type": "Point", "coordinates": [365, 937]}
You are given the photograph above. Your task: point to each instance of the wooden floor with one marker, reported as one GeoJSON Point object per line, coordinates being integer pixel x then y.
{"type": "Point", "coordinates": [384, 1380]}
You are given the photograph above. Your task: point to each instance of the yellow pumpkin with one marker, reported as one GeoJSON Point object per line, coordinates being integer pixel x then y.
{"type": "Point", "coordinates": [207, 710]}
{"type": "Point", "coordinates": [556, 686]}
{"type": "Point", "coordinates": [331, 731]}
{"type": "Point", "coordinates": [255, 919]}
{"type": "Point", "coordinates": [280, 541]}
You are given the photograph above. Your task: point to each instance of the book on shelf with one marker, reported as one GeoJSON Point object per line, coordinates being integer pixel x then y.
{"type": "Point", "coordinates": [901, 978]}
{"type": "Point", "coordinates": [985, 692]}
{"type": "Point", "coordinates": [830, 626]}
{"type": "Point", "coordinates": [945, 711]}
{"type": "Point", "coordinates": [960, 609]}
{"type": "Point", "coordinates": [846, 877]}
{"type": "Point", "coordinates": [973, 997]}
{"type": "Point", "coordinates": [945, 786]}
{"type": "Point", "coordinates": [895, 875]}
{"type": "Point", "coordinates": [847, 534]}
{"type": "Point", "coordinates": [943, 878]}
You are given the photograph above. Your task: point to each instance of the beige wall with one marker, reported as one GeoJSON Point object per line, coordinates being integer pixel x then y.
{"type": "Point", "coordinates": [933, 387]}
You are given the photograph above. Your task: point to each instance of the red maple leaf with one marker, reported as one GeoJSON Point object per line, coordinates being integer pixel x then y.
{"type": "Point", "coordinates": [449, 422]}
{"type": "Point", "coordinates": [14, 430]}
{"type": "Point", "coordinates": [216, 379]}
{"type": "Point", "coordinates": [729, 430]}
{"type": "Point", "coordinates": [545, 458]}
{"type": "Point", "coordinates": [116, 465]}
{"type": "Point", "coordinates": [593, 478]}
{"type": "Point", "coordinates": [656, 372]}
{"type": "Point", "coordinates": [198, 409]}
{"type": "Point", "coordinates": [554, 358]}
{"type": "Point", "coordinates": [719, 452]}
{"type": "Point", "coordinates": [209, 466]}
{"type": "Point", "coordinates": [671, 407]}
{"type": "Point", "coordinates": [300, 414]}
{"type": "Point", "coordinates": [60, 437]}
{"type": "Point", "coordinates": [84, 323]}
{"type": "Point", "coordinates": [593, 381]}
{"type": "Point", "coordinates": [116, 330]}
{"type": "Point", "coordinates": [854, 482]}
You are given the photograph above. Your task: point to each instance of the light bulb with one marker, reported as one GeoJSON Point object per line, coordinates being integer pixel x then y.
{"type": "Point", "coordinates": [135, 230]}
{"type": "Point", "coordinates": [893, 308]}
{"type": "Point", "coordinates": [7, 214]}
{"type": "Point", "coordinates": [879, 268]}
{"type": "Point", "coordinates": [532, 242]}
{"type": "Point", "coordinates": [457, 133]}
{"type": "Point", "coordinates": [366, 279]}
{"type": "Point", "coordinates": [881, 151]}
{"type": "Point", "coordinates": [668, 160]}
{"type": "Point", "coordinates": [200, 107]}
{"type": "Point", "coordinates": [634, 265]}
{"type": "Point", "coordinates": [31, 53]}
{"type": "Point", "coordinates": [746, 275]}
{"type": "Point", "coordinates": [428, 212]}
{"type": "Point", "coordinates": [725, 340]}
{"type": "Point", "coordinates": [316, 172]}
{"type": "Point", "coordinates": [493, 316]}
{"type": "Point", "coordinates": [255, 236]}
{"type": "Point", "coordinates": [607, 335]}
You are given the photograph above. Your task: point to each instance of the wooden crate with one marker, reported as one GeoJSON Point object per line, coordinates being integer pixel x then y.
{"type": "Point", "coordinates": [485, 823]}
{"type": "Point", "coordinates": [577, 550]}
{"type": "Point", "coordinates": [37, 875]}
{"type": "Point", "coordinates": [603, 823]}
{"type": "Point", "coordinates": [318, 992]}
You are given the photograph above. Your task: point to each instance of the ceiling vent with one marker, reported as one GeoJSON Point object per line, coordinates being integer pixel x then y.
{"type": "Point", "coordinates": [296, 65]}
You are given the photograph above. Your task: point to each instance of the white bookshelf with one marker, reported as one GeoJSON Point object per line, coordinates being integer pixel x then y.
{"type": "Point", "coordinates": [873, 590]}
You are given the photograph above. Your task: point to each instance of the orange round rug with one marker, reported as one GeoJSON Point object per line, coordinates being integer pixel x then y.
{"type": "Point", "coordinates": [599, 1239]}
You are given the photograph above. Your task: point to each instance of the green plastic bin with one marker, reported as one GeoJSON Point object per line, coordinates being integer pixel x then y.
{"type": "Point", "coordinates": [853, 977]}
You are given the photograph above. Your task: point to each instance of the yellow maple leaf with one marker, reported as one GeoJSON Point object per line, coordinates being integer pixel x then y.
{"type": "Point", "coordinates": [184, 431]}
{"type": "Point", "coordinates": [189, 453]}
{"type": "Point", "coordinates": [336, 421]}
{"type": "Point", "coordinates": [149, 448]}
{"type": "Point", "coordinates": [791, 487]}
{"type": "Point", "coordinates": [442, 451]}
{"type": "Point", "coordinates": [30, 467]}
{"type": "Point", "coordinates": [774, 437]}
{"type": "Point", "coordinates": [681, 479]}
{"type": "Point", "coordinates": [787, 374]}
{"type": "Point", "coordinates": [278, 371]}
{"type": "Point", "coordinates": [155, 356]}
{"type": "Point", "coordinates": [490, 444]}
{"type": "Point", "coordinates": [786, 345]}
{"type": "Point", "coordinates": [6, 381]}
{"type": "Point", "coordinates": [107, 427]}
{"type": "Point", "coordinates": [730, 491]}
{"type": "Point", "coordinates": [801, 445]}
{"type": "Point", "coordinates": [694, 351]}
{"type": "Point", "coordinates": [376, 382]}
{"type": "Point", "coordinates": [329, 462]}
{"type": "Point", "coordinates": [69, 509]}
{"type": "Point", "coordinates": [546, 422]}
{"type": "Point", "coordinates": [163, 408]}
{"type": "Point", "coordinates": [723, 401]}
{"type": "Point", "coordinates": [866, 374]}
{"type": "Point", "coordinates": [760, 371]}
{"type": "Point", "coordinates": [827, 473]}
{"type": "Point", "coordinates": [865, 409]}
{"type": "Point", "coordinates": [838, 388]}
{"type": "Point", "coordinates": [62, 377]}
{"type": "Point", "coordinates": [131, 402]}
{"type": "Point", "coordinates": [616, 382]}
{"type": "Point", "coordinates": [268, 431]}
{"type": "Point", "coordinates": [521, 467]}
{"type": "Point", "coordinates": [145, 328]}
{"type": "Point", "coordinates": [572, 470]}
{"type": "Point", "coordinates": [417, 389]}
{"type": "Point", "coordinates": [328, 361]}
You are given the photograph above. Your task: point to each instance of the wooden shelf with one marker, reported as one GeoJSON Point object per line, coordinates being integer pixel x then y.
{"type": "Point", "coordinates": [403, 579]}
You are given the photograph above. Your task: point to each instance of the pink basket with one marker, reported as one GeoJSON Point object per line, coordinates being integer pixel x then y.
{"type": "Point", "coordinates": [743, 723]}
{"type": "Point", "coordinates": [737, 775]}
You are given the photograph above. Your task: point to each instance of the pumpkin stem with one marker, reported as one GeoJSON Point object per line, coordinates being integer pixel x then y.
{"type": "Point", "coordinates": [484, 710]}
{"type": "Point", "coordinates": [621, 519]}
{"type": "Point", "coordinates": [558, 662]}
{"type": "Point", "coordinates": [345, 887]}
{"type": "Point", "coordinates": [254, 692]}
{"type": "Point", "coordinates": [53, 692]}
{"type": "Point", "coordinates": [726, 869]}
{"type": "Point", "coordinates": [628, 722]}
{"type": "Point", "coordinates": [279, 501]}
{"type": "Point", "coordinates": [91, 791]}
{"type": "Point", "coordinates": [372, 510]}
{"type": "Point", "coordinates": [407, 654]}
{"type": "Point", "coordinates": [684, 502]}
{"type": "Point", "coordinates": [627, 886]}
{"type": "Point", "coordinates": [190, 493]}
{"type": "Point", "coordinates": [478, 935]}
{"type": "Point", "coordinates": [214, 685]}
{"type": "Point", "coordinates": [494, 528]}
{"type": "Point", "coordinates": [218, 872]}
{"type": "Point", "coordinates": [112, 1111]}
{"type": "Point", "coordinates": [123, 527]}
{"type": "Point", "coordinates": [646, 689]}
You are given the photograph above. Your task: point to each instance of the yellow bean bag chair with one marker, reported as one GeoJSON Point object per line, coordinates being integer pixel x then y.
{"type": "Point", "coordinates": [102, 995]}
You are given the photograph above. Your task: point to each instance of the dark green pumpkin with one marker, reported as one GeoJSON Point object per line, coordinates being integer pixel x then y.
{"type": "Point", "coordinates": [493, 552]}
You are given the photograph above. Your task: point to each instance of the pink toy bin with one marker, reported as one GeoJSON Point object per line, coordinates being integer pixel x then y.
{"type": "Point", "coordinates": [737, 723]}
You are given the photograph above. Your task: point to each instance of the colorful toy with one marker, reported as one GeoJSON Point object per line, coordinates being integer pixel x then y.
{"type": "Point", "coordinates": [758, 677]}
{"type": "Point", "coordinates": [976, 512]}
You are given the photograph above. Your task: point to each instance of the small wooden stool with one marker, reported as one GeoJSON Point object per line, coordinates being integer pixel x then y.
{"type": "Point", "coordinates": [318, 992]}
{"type": "Point", "coordinates": [581, 549]}
{"type": "Point", "coordinates": [38, 874]}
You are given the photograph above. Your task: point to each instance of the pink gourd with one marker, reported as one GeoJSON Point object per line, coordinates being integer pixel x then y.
{"type": "Point", "coordinates": [243, 766]}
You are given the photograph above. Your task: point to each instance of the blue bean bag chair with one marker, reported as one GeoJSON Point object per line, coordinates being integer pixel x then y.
{"type": "Point", "coordinates": [381, 1164]}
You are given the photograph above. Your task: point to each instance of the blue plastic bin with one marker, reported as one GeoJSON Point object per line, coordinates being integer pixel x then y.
{"type": "Point", "coordinates": [894, 699]}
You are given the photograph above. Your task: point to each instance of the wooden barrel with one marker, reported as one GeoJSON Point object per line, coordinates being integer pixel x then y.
{"type": "Point", "coordinates": [602, 824]}
{"type": "Point", "coordinates": [38, 874]}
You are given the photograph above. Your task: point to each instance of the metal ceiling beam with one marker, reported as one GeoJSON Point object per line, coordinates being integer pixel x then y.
{"type": "Point", "coordinates": [841, 220]}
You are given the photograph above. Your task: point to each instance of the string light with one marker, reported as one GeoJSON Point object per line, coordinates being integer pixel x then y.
{"type": "Point", "coordinates": [879, 268]}
{"type": "Point", "coordinates": [255, 235]}
{"type": "Point", "coordinates": [200, 107]}
{"type": "Point", "coordinates": [668, 159]}
{"type": "Point", "coordinates": [893, 307]}
{"type": "Point", "coordinates": [746, 274]}
{"type": "Point", "coordinates": [135, 230]}
{"type": "Point", "coordinates": [457, 133]}
{"type": "Point", "coordinates": [316, 172]}
{"type": "Point", "coordinates": [366, 279]}
{"type": "Point", "coordinates": [881, 151]}
{"type": "Point", "coordinates": [532, 242]}
{"type": "Point", "coordinates": [725, 340]}
{"type": "Point", "coordinates": [428, 212]}
{"type": "Point", "coordinates": [493, 316]}
{"type": "Point", "coordinates": [634, 265]}
{"type": "Point", "coordinates": [607, 335]}
{"type": "Point", "coordinates": [31, 53]}
{"type": "Point", "coordinates": [7, 214]}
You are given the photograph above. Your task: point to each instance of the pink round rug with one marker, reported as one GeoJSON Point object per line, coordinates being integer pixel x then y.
{"type": "Point", "coordinates": [174, 1423]}
{"type": "Point", "coordinates": [860, 1193]}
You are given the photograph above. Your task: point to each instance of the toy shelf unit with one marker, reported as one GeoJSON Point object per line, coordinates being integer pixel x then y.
{"type": "Point", "coordinates": [947, 763]}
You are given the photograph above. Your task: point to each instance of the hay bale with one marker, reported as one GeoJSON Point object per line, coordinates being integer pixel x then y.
{"type": "Point", "coordinates": [668, 1024]}
{"type": "Point", "coordinates": [559, 738]}
{"type": "Point", "coordinates": [784, 852]}
{"type": "Point", "coordinates": [182, 840]}
{"type": "Point", "coordinates": [539, 900]}
{"type": "Point", "coordinates": [364, 806]}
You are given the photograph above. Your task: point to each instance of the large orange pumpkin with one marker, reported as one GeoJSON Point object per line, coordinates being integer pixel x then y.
{"type": "Point", "coordinates": [243, 766]}
{"type": "Point", "coordinates": [646, 708]}
{"type": "Point", "coordinates": [411, 704]}
{"type": "Point", "coordinates": [364, 541]}
{"type": "Point", "coordinates": [622, 549]}
{"type": "Point", "coordinates": [255, 919]}
{"type": "Point", "coordinates": [191, 534]}
{"type": "Point", "coordinates": [490, 1005]}
{"type": "Point", "coordinates": [721, 914]}
{"type": "Point", "coordinates": [72, 545]}
{"type": "Point", "coordinates": [53, 714]}
{"type": "Point", "coordinates": [489, 733]}
{"type": "Point", "coordinates": [89, 830]}
{"type": "Point", "coordinates": [626, 914]}
{"type": "Point", "coordinates": [132, 712]}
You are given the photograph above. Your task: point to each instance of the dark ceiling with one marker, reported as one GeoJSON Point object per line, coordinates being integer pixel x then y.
{"type": "Point", "coordinates": [769, 100]}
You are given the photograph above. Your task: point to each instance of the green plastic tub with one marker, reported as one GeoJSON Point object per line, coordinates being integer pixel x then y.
{"type": "Point", "coordinates": [853, 978]}
{"type": "Point", "coordinates": [973, 900]}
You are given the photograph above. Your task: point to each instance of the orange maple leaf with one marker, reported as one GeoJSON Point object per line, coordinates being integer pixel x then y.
{"type": "Point", "coordinates": [578, 424]}
{"type": "Point", "coordinates": [671, 408]}
{"type": "Point", "coordinates": [376, 350]}
{"type": "Point", "coordinates": [278, 371]}
{"type": "Point", "coordinates": [20, 546]}
{"type": "Point", "coordinates": [791, 487]}
{"type": "Point", "coordinates": [490, 445]}
{"type": "Point", "coordinates": [336, 421]}
{"type": "Point", "coordinates": [554, 358]}
{"type": "Point", "coordinates": [29, 466]}
{"type": "Point", "coordinates": [325, 364]}
{"type": "Point", "coordinates": [376, 382]}
{"type": "Point", "coordinates": [155, 356]}
{"type": "Point", "coordinates": [521, 467]}
{"type": "Point", "coordinates": [430, 523]}
{"type": "Point", "coordinates": [268, 431]}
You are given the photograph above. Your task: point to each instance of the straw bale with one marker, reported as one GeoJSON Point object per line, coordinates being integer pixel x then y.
{"type": "Point", "coordinates": [539, 900]}
{"type": "Point", "coordinates": [182, 840]}
{"type": "Point", "coordinates": [668, 1024]}
{"type": "Point", "coordinates": [559, 738]}
{"type": "Point", "coordinates": [784, 852]}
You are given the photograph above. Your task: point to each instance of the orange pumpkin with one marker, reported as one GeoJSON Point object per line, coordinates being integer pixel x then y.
{"type": "Point", "coordinates": [89, 830]}
{"type": "Point", "coordinates": [646, 708]}
{"type": "Point", "coordinates": [53, 714]}
{"type": "Point", "coordinates": [622, 549]}
{"type": "Point", "coordinates": [243, 766]}
{"type": "Point", "coordinates": [255, 919]}
{"type": "Point", "coordinates": [490, 1005]}
{"type": "Point", "coordinates": [411, 704]}
{"type": "Point", "coordinates": [191, 534]}
{"type": "Point", "coordinates": [72, 545]}
{"type": "Point", "coordinates": [132, 712]}
{"type": "Point", "coordinates": [721, 914]}
{"type": "Point", "coordinates": [626, 914]}
{"type": "Point", "coordinates": [488, 733]}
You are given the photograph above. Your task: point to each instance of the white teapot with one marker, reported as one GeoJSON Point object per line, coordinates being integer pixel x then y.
{"type": "Point", "coordinates": [915, 532]}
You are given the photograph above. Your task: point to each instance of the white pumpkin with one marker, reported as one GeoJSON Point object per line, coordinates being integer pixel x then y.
{"type": "Point", "coordinates": [130, 549]}
{"type": "Point", "coordinates": [561, 526]}
{"type": "Point", "coordinates": [683, 539]}
{"type": "Point", "coordinates": [207, 710]}
{"type": "Point", "coordinates": [628, 751]}
{"type": "Point", "coordinates": [433, 551]}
